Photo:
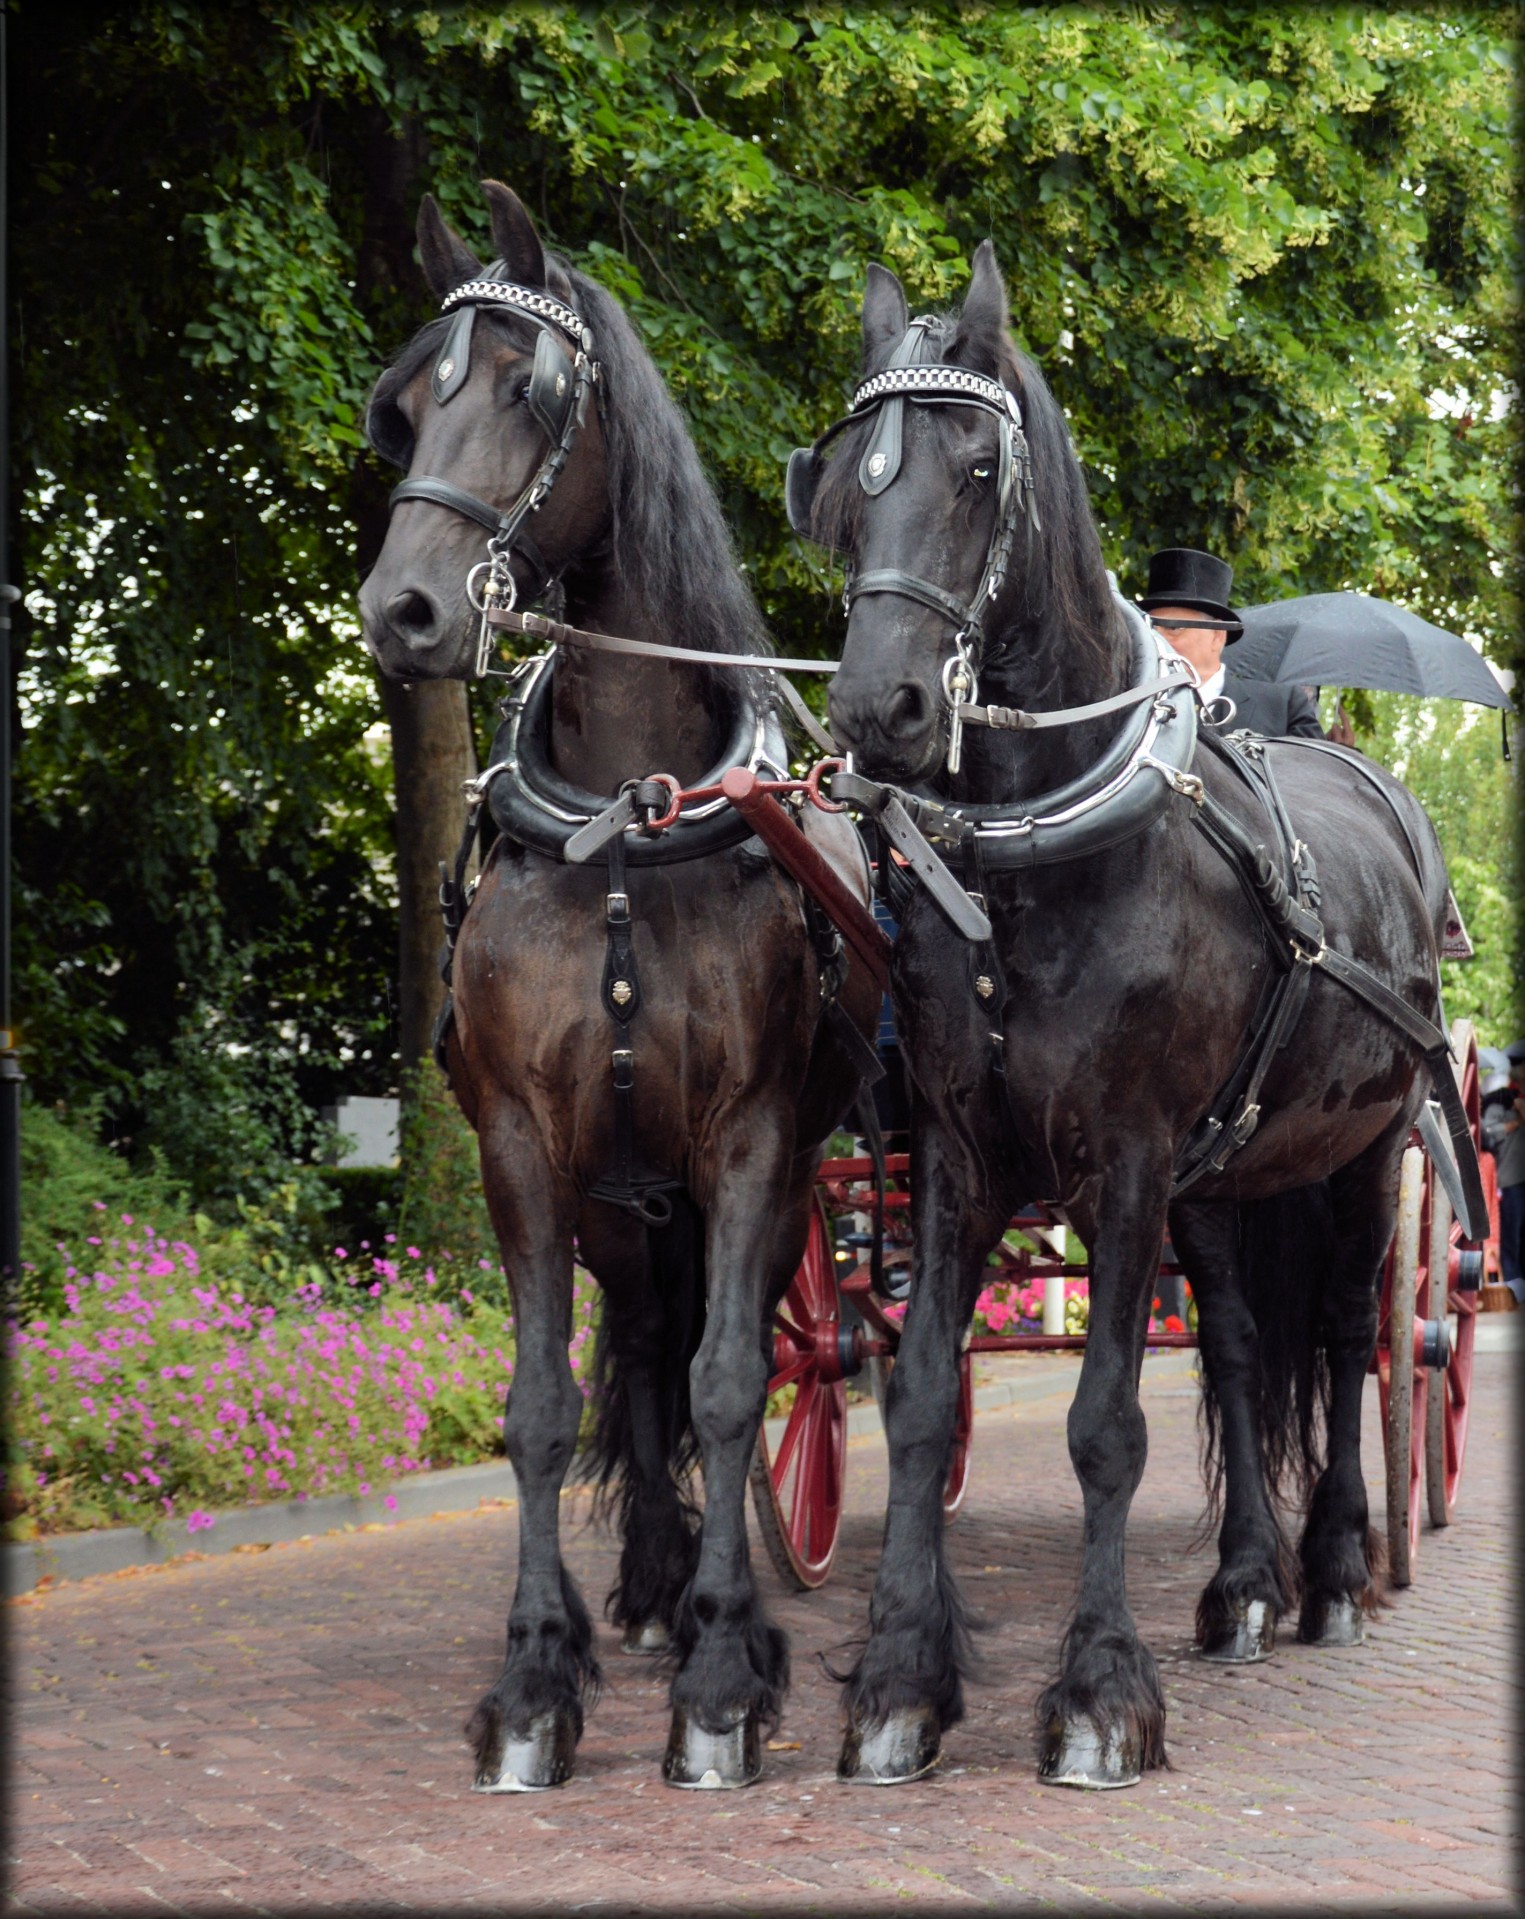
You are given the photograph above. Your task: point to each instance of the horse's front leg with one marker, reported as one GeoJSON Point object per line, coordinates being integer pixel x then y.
{"type": "Point", "coordinates": [525, 1731]}
{"type": "Point", "coordinates": [733, 1662]}
{"type": "Point", "coordinates": [1102, 1721]}
{"type": "Point", "coordinates": [907, 1687]}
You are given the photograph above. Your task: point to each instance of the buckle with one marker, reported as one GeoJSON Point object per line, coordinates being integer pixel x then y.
{"type": "Point", "coordinates": [617, 909]}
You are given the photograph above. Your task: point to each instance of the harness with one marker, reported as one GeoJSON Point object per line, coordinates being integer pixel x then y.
{"type": "Point", "coordinates": [559, 405]}
{"type": "Point", "coordinates": [1112, 801]}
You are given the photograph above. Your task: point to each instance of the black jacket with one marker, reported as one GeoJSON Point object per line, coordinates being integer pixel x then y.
{"type": "Point", "coordinates": [1265, 708]}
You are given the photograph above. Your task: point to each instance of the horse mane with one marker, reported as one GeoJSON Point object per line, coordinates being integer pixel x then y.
{"type": "Point", "coordinates": [1074, 581]}
{"type": "Point", "coordinates": [669, 540]}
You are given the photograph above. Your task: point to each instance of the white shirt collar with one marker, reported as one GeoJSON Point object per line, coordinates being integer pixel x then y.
{"type": "Point", "coordinates": [1213, 687]}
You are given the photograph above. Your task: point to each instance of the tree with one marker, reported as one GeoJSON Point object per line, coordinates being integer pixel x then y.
{"type": "Point", "coordinates": [1263, 254]}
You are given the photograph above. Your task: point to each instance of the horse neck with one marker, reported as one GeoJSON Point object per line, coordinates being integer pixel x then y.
{"type": "Point", "coordinates": [1044, 661]}
{"type": "Point", "coordinates": [615, 719]}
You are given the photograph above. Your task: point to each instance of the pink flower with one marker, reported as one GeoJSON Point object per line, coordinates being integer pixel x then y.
{"type": "Point", "coordinates": [390, 1502]}
{"type": "Point", "coordinates": [199, 1521]}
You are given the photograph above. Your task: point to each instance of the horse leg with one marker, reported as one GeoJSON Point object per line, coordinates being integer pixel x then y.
{"type": "Point", "coordinates": [733, 1662]}
{"type": "Point", "coordinates": [653, 1280]}
{"type": "Point", "coordinates": [1344, 1563]}
{"type": "Point", "coordinates": [906, 1688]}
{"type": "Point", "coordinates": [1256, 1579]}
{"type": "Point", "coordinates": [1102, 1721]}
{"type": "Point", "coordinates": [525, 1730]}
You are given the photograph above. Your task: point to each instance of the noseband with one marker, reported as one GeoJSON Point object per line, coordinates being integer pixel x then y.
{"type": "Point", "coordinates": [558, 405]}
{"type": "Point", "coordinates": [909, 375]}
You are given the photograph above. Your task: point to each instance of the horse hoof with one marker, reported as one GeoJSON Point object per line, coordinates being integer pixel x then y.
{"type": "Point", "coordinates": [542, 1759]}
{"type": "Point", "coordinates": [703, 1761]}
{"type": "Point", "coordinates": [1246, 1638]}
{"type": "Point", "coordinates": [646, 1639]}
{"type": "Point", "coordinates": [905, 1747]}
{"type": "Point", "coordinates": [1331, 1622]}
{"type": "Point", "coordinates": [1076, 1754]}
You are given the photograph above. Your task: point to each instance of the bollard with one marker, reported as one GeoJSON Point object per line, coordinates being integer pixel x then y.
{"type": "Point", "coordinates": [1053, 1304]}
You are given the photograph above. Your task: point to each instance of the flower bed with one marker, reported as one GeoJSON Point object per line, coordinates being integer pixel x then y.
{"type": "Point", "coordinates": [159, 1392]}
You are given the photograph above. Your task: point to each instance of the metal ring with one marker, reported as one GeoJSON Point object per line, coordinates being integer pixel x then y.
{"type": "Point", "coordinates": [961, 661]}
{"type": "Point", "coordinates": [674, 807]}
{"type": "Point", "coordinates": [1223, 700]}
{"type": "Point", "coordinates": [813, 785]}
{"type": "Point", "coordinates": [490, 567]}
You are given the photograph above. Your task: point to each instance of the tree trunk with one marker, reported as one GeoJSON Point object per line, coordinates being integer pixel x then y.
{"type": "Point", "coordinates": [432, 747]}
{"type": "Point", "coordinates": [432, 753]}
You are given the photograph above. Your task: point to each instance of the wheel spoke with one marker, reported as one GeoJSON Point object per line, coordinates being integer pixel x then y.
{"type": "Point", "coordinates": [794, 1431]}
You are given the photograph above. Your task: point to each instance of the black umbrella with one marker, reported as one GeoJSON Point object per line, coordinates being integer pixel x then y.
{"type": "Point", "coordinates": [1349, 639]}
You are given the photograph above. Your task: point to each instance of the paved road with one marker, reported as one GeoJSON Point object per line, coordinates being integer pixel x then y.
{"type": "Point", "coordinates": [280, 1730]}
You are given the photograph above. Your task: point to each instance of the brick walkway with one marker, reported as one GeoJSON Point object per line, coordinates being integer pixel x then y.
{"type": "Point", "coordinates": [280, 1730]}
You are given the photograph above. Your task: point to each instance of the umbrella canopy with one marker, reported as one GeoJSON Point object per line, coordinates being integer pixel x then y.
{"type": "Point", "coordinates": [1349, 639]}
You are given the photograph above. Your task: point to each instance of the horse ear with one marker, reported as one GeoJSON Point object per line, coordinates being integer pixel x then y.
{"type": "Point", "coordinates": [984, 318]}
{"type": "Point", "coordinates": [446, 260]}
{"type": "Point", "coordinates": [514, 235]}
{"type": "Point", "coordinates": [884, 312]}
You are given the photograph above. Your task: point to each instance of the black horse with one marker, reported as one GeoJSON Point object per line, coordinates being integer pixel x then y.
{"type": "Point", "coordinates": [1080, 1053]}
{"type": "Point", "coordinates": [646, 1054]}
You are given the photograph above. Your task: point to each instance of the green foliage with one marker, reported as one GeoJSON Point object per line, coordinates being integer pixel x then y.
{"type": "Point", "coordinates": [1263, 255]}
{"type": "Point", "coordinates": [70, 1183]}
{"type": "Point", "coordinates": [441, 1202]}
{"type": "Point", "coordinates": [1451, 757]}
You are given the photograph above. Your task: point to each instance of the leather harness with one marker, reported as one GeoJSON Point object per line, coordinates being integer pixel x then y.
{"type": "Point", "coordinates": [1112, 801]}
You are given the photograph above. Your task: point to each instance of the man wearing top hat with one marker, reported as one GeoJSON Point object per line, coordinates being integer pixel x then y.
{"type": "Point", "coordinates": [1187, 600]}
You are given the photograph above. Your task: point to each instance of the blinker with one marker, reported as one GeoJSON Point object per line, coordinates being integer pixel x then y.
{"type": "Point", "coordinates": [550, 392]}
{"type": "Point", "coordinates": [801, 479]}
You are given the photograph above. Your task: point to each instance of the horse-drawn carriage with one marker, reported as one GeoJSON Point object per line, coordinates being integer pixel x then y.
{"type": "Point", "coordinates": [662, 1003]}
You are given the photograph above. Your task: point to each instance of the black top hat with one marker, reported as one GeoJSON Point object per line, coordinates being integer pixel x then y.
{"type": "Point", "coordinates": [1180, 576]}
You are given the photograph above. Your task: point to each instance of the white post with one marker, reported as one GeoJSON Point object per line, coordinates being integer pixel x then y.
{"type": "Point", "coordinates": [1053, 1304]}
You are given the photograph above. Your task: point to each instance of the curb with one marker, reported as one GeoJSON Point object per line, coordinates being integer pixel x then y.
{"type": "Point", "coordinates": [28, 1563]}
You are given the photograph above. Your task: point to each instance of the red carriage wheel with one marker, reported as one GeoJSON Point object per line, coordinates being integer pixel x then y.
{"type": "Point", "coordinates": [797, 1487]}
{"type": "Point", "coordinates": [963, 1426]}
{"type": "Point", "coordinates": [1456, 1298]}
{"type": "Point", "coordinates": [1402, 1382]}
{"type": "Point", "coordinates": [963, 1441]}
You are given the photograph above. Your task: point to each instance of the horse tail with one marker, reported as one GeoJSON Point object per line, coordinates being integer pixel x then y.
{"type": "Point", "coordinates": [1285, 1263]}
{"type": "Point", "coordinates": [657, 1520]}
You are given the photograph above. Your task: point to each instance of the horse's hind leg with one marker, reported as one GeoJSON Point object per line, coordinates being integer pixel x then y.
{"type": "Point", "coordinates": [1344, 1563]}
{"type": "Point", "coordinates": [733, 1662]}
{"type": "Point", "coordinates": [525, 1731]}
{"type": "Point", "coordinates": [1256, 1578]}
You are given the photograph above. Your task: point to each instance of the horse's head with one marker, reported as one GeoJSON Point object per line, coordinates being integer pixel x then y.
{"type": "Point", "coordinates": [488, 412]}
{"type": "Point", "coordinates": [923, 496]}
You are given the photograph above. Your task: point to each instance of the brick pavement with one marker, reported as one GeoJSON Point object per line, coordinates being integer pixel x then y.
{"type": "Point", "coordinates": [280, 1730]}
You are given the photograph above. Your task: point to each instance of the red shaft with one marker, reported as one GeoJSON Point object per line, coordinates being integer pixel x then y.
{"type": "Point", "coordinates": [799, 859]}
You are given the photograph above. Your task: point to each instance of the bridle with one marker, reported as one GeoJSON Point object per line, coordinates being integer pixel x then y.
{"type": "Point", "coordinates": [909, 374]}
{"type": "Point", "coordinates": [559, 405]}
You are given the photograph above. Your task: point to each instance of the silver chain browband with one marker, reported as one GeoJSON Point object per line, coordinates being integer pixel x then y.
{"type": "Point", "coordinates": [942, 380]}
{"type": "Point", "coordinates": [505, 293]}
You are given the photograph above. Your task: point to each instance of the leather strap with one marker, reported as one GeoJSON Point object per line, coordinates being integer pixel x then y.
{"type": "Point", "coordinates": [1013, 719]}
{"type": "Point", "coordinates": [537, 626]}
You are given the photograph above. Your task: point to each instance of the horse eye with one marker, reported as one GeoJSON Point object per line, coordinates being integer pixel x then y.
{"type": "Point", "coordinates": [980, 472]}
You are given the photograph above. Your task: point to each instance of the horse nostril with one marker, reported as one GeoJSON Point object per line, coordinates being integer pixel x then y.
{"type": "Point", "coordinates": [907, 712]}
{"type": "Point", "coordinates": [411, 614]}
